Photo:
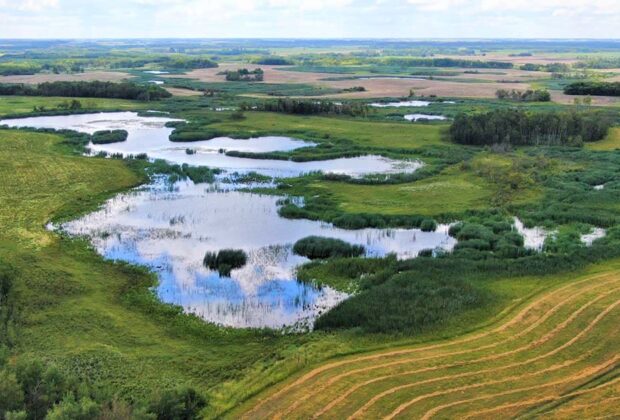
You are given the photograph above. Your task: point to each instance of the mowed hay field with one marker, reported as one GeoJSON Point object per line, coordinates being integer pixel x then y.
{"type": "Point", "coordinates": [553, 355]}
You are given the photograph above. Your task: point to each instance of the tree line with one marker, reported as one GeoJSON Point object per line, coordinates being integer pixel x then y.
{"type": "Point", "coordinates": [95, 89]}
{"type": "Point", "coordinates": [272, 61]}
{"type": "Point", "coordinates": [593, 88]}
{"type": "Point", "coordinates": [520, 128]}
{"type": "Point", "coordinates": [551, 67]}
{"type": "Point", "coordinates": [244, 75]}
{"type": "Point", "coordinates": [445, 62]}
{"type": "Point", "coordinates": [539, 95]}
{"type": "Point", "coordinates": [306, 107]}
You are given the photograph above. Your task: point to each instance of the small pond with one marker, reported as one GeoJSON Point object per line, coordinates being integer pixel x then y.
{"type": "Point", "coordinates": [170, 228]}
{"type": "Point", "coordinates": [400, 104]}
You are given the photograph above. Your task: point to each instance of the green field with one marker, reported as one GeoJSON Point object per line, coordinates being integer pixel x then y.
{"type": "Point", "coordinates": [446, 193]}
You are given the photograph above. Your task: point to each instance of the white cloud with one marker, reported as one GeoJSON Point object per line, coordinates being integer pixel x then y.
{"type": "Point", "coordinates": [28, 5]}
{"type": "Point", "coordinates": [587, 7]}
{"type": "Point", "coordinates": [436, 5]}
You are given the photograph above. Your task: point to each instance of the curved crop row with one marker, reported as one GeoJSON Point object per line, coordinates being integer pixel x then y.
{"type": "Point", "coordinates": [556, 355]}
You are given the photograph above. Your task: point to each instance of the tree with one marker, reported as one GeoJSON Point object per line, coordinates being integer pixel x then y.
{"type": "Point", "coordinates": [11, 393]}
{"type": "Point", "coordinates": [42, 386]}
{"type": "Point", "coordinates": [71, 409]}
{"type": "Point", "coordinates": [179, 404]}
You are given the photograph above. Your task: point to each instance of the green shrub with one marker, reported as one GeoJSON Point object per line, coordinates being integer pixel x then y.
{"type": "Point", "coordinates": [428, 225]}
{"type": "Point", "coordinates": [315, 247]}
{"type": "Point", "coordinates": [109, 136]}
{"type": "Point", "coordinates": [225, 260]}
{"type": "Point", "coordinates": [181, 404]}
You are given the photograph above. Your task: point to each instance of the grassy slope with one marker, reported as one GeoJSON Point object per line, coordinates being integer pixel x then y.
{"type": "Point", "coordinates": [23, 104]}
{"type": "Point", "coordinates": [611, 142]}
{"type": "Point", "coordinates": [72, 308]}
{"type": "Point", "coordinates": [542, 356]}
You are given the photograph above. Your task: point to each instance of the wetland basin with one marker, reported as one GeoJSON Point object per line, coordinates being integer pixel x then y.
{"type": "Point", "coordinates": [169, 228]}
{"type": "Point", "coordinates": [151, 136]}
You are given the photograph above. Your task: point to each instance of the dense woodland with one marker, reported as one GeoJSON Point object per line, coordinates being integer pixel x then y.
{"type": "Point", "coordinates": [521, 128]}
{"type": "Point", "coordinates": [593, 88]}
{"type": "Point", "coordinates": [272, 61]}
{"type": "Point", "coordinates": [96, 89]}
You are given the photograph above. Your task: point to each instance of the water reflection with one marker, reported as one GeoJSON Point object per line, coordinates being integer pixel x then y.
{"type": "Point", "coordinates": [169, 229]}
{"type": "Point", "coordinates": [400, 104]}
{"type": "Point", "coordinates": [416, 117]}
{"type": "Point", "coordinates": [150, 135]}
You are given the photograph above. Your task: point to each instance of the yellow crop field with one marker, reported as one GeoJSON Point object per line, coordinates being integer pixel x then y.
{"type": "Point", "coordinates": [555, 354]}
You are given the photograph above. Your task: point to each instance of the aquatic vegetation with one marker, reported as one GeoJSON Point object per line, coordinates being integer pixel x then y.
{"type": "Point", "coordinates": [109, 136]}
{"type": "Point", "coordinates": [316, 247]}
{"type": "Point", "coordinates": [225, 261]}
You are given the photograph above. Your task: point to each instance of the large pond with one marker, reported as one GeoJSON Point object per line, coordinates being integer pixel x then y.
{"type": "Point", "coordinates": [170, 228]}
{"type": "Point", "coordinates": [151, 136]}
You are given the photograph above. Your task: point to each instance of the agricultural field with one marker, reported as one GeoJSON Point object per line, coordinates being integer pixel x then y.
{"type": "Point", "coordinates": [361, 229]}
{"type": "Point", "coordinates": [540, 356]}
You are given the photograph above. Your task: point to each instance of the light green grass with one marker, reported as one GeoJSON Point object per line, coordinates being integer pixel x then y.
{"type": "Point", "coordinates": [451, 192]}
{"type": "Point", "coordinates": [611, 142]}
{"type": "Point", "coordinates": [24, 104]}
{"type": "Point", "coordinates": [365, 133]}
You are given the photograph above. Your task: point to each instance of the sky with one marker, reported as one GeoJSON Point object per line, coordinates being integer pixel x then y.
{"type": "Point", "coordinates": [310, 19]}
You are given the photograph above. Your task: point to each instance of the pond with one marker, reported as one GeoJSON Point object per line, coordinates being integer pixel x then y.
{"type": "Point", "coordinates": [170, 228]}
{"type": "Point", "coordinates": [151, 136]}
{"type": "Point", "coordinates": [400, 104]}
{"type": "Point", "coordinates": [416, 117]}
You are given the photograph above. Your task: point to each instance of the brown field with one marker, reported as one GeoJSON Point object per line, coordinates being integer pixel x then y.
{"type": "Point", "coordinates": [560, 97]}
{"type": "Point", "coordinates": [377, 88]}
{"type": "Point", "coordinates": [106, 76]}
{"type": "Point", "coordinates": [183, 92]}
